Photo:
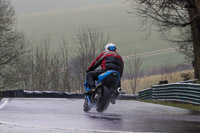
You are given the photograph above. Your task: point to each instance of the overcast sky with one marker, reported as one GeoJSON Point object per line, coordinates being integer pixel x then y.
{"type": "Point", "coordinates": [37, 6]}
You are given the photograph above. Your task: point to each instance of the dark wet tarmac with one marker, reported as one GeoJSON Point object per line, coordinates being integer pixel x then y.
{"type": "Point", "coordinates": [66, 116]}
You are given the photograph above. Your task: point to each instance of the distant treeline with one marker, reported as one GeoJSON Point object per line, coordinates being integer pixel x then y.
{"type": "Point", "coordinates": [41, 68]}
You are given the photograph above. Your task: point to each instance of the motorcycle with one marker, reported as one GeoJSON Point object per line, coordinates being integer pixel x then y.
{"type": "Point", "coordinates": [105, 88]}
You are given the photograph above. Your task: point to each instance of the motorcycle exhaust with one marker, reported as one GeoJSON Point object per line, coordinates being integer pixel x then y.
{"type": "Point", "coordinates": [119, 89]}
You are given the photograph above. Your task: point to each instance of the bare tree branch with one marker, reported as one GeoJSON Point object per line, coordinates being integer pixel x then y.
{"type": "Point", "coordinates": [168, 15]}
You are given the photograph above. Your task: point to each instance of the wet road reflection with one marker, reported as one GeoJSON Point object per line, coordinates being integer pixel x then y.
{"type": "Point", "coordinates": [192, 112]}
{"type": "Point", "coordinates": [104, 116]}
{"type": "Point", "coordinates": [142, 117]}
{"type": "Point", "coordinates": [144, 123]}
{"type": "Point", "coordinates": [67, 115]}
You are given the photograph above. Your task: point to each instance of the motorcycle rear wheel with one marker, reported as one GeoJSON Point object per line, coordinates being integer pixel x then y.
{"type": "Point", "coordinates": [104, 100]}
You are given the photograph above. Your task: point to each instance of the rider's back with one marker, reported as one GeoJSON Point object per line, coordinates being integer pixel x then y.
{"type": "Point", "coordinates": [112, 61]}
{"type": "Point", "coordinates": [109, 60]}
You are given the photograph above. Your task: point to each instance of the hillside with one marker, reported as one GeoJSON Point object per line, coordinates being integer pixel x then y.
{"type": "Point", "coordinates": [64, 18]}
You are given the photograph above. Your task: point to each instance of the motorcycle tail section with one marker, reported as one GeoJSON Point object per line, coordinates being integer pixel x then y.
{"type": "Point", "coordinates": [106, 86]}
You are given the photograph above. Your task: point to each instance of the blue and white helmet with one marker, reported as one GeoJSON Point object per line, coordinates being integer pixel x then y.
{"type": "Point", "coordinates": [110, 47]}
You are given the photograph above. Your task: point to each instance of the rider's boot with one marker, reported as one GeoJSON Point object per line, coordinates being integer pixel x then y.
{"type": "Point", "coordinates": [89, 90]}
{"type": "Point", "coordinates": [114, 97]}
{"type": "Point", "coordinates": [113, 101]}
{"type": "Point", "coordinates": [92, 90]}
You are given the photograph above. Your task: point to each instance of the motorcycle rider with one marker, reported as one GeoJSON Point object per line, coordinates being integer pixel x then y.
{"type": "Point", "coordinates": [109, 60]}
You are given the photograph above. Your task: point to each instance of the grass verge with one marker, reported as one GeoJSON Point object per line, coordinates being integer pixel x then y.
{"type": "Point", "coordinates": [148, 81]}
{"type": "Point", "coordinates": [196, 82]}
{"type": "Point", "coordinates": [175, 104]}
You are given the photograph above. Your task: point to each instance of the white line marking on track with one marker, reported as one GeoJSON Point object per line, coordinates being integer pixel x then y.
{"type": "Point", "coordinates": [67, 129]}
{"type": "Point", "coordinates": [5, 102]}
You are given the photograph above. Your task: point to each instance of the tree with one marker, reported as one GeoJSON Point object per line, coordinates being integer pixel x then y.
{"type": "Point", "coordinates": [169, 71]}
{"type": "Point", "coordinates": [182, 15]}
{"type": "Point", "coordinates": [65, 75]}
{"type": "Point", "coordinates": [46, 70]}
{"type": "Point", "coordinates": [185, 45]}
{"type": "Point", "coordinates": [36, 67]}
{"type": "Point", "coordinates": [89, 42]}
{"type": "Point", "coordinates": [135, 71]}
{"type": "Point", "coordinates": [12, 46]}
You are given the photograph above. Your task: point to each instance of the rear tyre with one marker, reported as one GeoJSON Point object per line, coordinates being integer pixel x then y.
{"type": "Point", "coordinates": [86, 106]}
{"type": "Point", "coordinates": [104, 101]}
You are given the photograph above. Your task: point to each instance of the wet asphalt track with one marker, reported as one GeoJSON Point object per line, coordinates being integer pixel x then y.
{"type": "Point", "coordinates": [66, 116]}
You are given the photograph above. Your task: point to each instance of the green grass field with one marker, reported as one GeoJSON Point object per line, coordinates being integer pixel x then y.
{"type": "Point", "coordinates": [123, 29]}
